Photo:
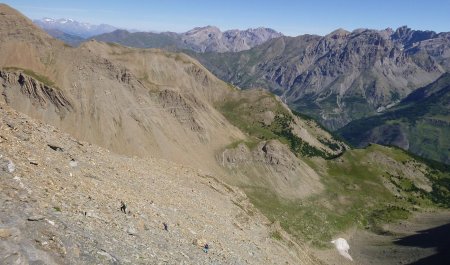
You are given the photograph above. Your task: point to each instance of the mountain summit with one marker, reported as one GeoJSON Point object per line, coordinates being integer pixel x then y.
{"type": "Point", "coordinates": [211, 39]}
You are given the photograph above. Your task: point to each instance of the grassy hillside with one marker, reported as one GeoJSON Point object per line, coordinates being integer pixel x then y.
{"type": "Point", "coordinates": [365, 188]}
{"type": "Point", "coordinates": [248, 110]}
{"type": "Point", "coordinates": [419, 124]}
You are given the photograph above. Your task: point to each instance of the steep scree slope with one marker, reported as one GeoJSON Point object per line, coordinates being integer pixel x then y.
{"type": "Point", "coordinates": [60, 201]}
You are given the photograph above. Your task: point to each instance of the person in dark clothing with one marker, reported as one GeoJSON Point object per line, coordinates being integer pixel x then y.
{"type": "Point", "coordinates": [123, 207]}
{"type": "Point", "coordinates": [166, 227]}
{"type": "Point", "coordinates": [206, 248]}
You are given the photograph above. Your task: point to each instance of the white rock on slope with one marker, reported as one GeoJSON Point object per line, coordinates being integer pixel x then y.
{"type": "Point", "coordinates": [11, 166]}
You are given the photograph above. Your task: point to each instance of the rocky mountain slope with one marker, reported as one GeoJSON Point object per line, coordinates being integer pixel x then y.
{"type": "Point", "coordinates": [339, 77]}
{"type": "Point", "coordinates": [150, 111]}
{"type": "Point", "coordinates": [202, 39]}
{"type": "Point", "coordinates": [73, 27]}
{"type": "Point", "coordinates": [133, 101]}
{"type": "Point", "coordinates": [61, 198]}
{"type": "Point", "coordinates": [419, 123]}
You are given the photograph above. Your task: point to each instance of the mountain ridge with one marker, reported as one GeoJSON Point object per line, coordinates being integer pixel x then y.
{"type": "Point", "coordinates": [199, 39]}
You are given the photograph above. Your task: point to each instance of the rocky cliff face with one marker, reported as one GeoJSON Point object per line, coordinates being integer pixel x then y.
{"type": "Point", "coordinates": [408, 37]}
{"type": "Point", "coordinates": [33, 92]}
{"type": "Point", "coordinates": [342, 76]}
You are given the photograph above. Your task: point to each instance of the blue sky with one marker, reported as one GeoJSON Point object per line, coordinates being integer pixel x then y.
{"type": "Point", "coordinates": [290, 17]}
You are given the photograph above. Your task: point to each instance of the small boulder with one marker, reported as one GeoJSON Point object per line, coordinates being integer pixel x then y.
{"type": "Point", "coordinates": [92, 214]}
{"type": "Point", "coordinates": [5, 232]}
{"type": "Point", "coordinates": [131, 230]}
{"type": "Point", "coordinates": [55, 147]}
{"type": "Point", "coordinates": [11, 166]}
{"type": "Point", "coordinates": [36, 218]}
{"type": "Point", "coordinates": [73, 163]}
{"type": "Point", "coordinates": [33, 161]}
{"type": "Point", "coordinates": [107, 255]}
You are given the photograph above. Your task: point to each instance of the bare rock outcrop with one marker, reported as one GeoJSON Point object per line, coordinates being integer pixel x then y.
{"type": "Point", "coordinates": [34, 91]}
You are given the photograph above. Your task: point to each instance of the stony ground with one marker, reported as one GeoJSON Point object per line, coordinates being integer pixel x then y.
{"type": "Point", "coordinates": [60, 204]}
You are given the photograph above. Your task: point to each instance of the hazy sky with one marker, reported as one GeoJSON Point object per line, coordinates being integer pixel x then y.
{"type": "Point", "coordinates": [290, 17]}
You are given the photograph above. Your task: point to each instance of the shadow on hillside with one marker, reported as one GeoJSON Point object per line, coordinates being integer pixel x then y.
{"type": "Point", "coordinates": [437, 238]}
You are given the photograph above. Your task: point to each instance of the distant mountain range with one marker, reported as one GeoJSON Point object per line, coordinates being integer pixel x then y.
{"type": "Point", "coordinates": [200, 39]}
{"type": "Point", "coordinates": [72, 27]}
{"type": "Point", "coordinates": [342, 76]}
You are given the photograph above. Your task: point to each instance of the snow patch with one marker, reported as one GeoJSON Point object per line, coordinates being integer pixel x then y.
{"type": "Point", "coordinates": [342, 247]}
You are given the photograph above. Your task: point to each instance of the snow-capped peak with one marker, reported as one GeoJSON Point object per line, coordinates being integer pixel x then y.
{"type": "Point", "coordinates": [73, 27]}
